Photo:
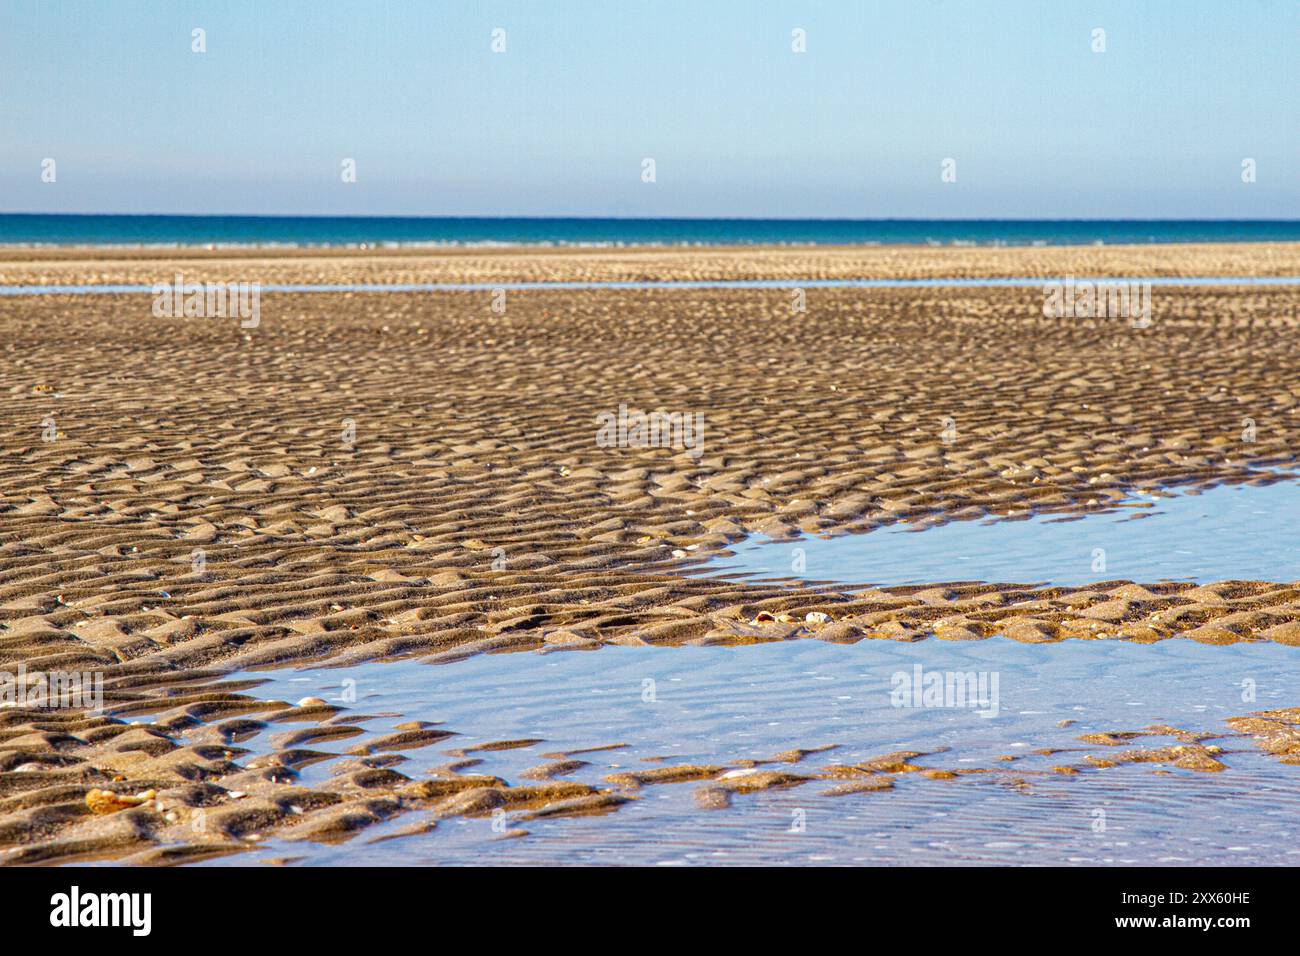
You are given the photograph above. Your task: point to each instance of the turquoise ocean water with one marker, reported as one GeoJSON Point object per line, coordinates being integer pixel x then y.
{"type": "Point", "coordinates": [32, 229]}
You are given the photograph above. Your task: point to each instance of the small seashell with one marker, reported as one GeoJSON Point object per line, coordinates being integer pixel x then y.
{"type": "Point", "coordinates": [763, 617]}
{"type": "Point", "coordinates": [678, 553]}
{"type": "Point", "coordinates": [236, 794]}
{"type": "Point", "coordinates": [106, 801]}
{"type": "Point", "coordinates": [310, 702]}
{"type": "Point", "coordinates": [817, 617]}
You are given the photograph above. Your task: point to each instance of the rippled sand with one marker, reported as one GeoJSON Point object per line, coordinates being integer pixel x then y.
{"type": "Point", "coordinates": [200, 509]}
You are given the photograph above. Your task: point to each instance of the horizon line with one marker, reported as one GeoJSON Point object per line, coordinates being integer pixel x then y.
{"type": "Point", "coordinates": [240, 215]}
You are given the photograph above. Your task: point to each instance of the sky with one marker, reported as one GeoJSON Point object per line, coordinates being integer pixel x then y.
{"type": "Point", "coordinates": [738, 124]}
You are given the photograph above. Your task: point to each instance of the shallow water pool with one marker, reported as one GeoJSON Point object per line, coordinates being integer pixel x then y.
{"type": "Point", "coordinates": [1230, 532]}
{"type": "Point", "coordinates": [723, 706]}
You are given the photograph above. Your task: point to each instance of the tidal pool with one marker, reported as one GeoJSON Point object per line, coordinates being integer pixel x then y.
{"type": "Point", "coordinates": [1229, 532]}
{"type": "Point", "coordinates": [721, 706]}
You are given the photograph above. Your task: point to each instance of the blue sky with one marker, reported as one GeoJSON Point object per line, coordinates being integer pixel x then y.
{"type": "Point", "coordinates": [737, 123]}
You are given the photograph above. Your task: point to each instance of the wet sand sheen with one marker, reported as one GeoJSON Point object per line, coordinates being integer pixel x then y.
{"type": "Point", "coordinates": [996, 282]}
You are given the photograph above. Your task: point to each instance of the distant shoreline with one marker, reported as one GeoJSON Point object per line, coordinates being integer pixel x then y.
{"type": "Point", "coordinates": [461, 268]}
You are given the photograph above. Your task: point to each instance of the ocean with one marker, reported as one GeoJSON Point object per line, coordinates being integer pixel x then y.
{"type": "Point", "coordinates": [113, 230]}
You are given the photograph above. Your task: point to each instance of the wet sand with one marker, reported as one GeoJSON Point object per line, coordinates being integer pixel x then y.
{"type": "Point", "coordinates": [200, 510]}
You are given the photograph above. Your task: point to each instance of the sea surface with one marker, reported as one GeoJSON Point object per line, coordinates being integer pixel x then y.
{"type": "Point", "coordinates": [40, 229]}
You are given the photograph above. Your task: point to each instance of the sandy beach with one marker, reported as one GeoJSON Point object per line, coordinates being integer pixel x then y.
{"type": "Point", "coordinates": [477, 264]}
{"type": "Point", "coordinates": [368, 476]}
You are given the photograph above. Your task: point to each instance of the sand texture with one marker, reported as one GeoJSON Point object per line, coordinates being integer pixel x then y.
{"type": "Point", "coordinates": [20, 266]}
{"type": "Point", "coordinates": [200, 508]}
